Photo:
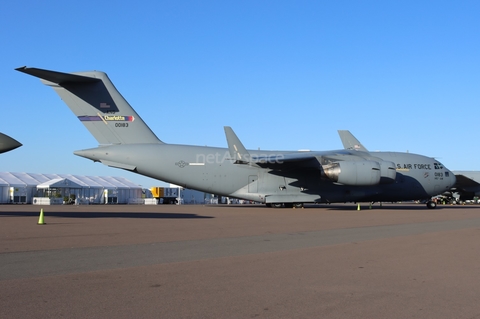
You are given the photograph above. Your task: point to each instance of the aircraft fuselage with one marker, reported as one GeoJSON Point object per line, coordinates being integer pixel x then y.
{"type": "Point", "coordinates": [212, 170]}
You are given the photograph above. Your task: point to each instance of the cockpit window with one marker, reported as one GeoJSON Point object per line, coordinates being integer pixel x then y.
{"type": "Point", "coordinates": [438, 166]}
{"type": "Point", "coordinates": [446, 174]}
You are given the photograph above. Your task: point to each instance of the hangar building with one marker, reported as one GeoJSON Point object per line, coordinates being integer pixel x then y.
{"type": "Point", "coordinates": [30, 188]}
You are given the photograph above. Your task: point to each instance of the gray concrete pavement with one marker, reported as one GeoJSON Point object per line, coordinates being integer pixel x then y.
{"type": "Point", "coordinates": [397, 261]}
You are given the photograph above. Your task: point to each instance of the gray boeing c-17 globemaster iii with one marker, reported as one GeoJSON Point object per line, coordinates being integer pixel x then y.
{"type": "Point", "coordinates": [276, 178]}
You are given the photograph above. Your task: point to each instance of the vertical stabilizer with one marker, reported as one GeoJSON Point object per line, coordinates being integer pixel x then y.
{"type": "Point", "coordinates": [236, 148]}
{"type": "Point", "coordinates": [350, 142]}
{"type": "Point", "coordinates": [96, 102]}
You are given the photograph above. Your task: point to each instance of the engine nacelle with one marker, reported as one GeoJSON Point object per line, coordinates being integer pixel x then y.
{"type": "Point", "coordinates": [388, 172]}
{"type": "Point", "coordinates": [355, 173]}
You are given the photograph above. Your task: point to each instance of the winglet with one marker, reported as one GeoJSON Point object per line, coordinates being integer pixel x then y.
{"type": "Point", "coordinates": [237, 151]}
{"type": "Point", "coordinates": [350, 142]}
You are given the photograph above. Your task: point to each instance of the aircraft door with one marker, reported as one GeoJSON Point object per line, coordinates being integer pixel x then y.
{"type": "Point", "coordinates": [253, 183]}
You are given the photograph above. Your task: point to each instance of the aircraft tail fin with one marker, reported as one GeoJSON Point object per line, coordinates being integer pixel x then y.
{"type": "Point", "coordinates": [96, 102]}
{"type": "Point", "coordinates": [350, 142]}
{"type": "Point", "coordinates": [238, 152]}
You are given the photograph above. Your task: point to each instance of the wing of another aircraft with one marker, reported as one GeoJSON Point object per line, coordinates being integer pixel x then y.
{"type": "Point", "coordinates": [7, 143]}
{"type": "Point", "coordinates": [468, 184]}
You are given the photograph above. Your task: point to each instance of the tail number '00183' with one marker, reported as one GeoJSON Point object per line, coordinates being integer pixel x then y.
{"type": "Point", "coordinates": [121, 124]}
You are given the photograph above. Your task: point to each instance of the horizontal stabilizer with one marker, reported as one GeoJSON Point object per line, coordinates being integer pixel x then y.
{"type": "Point", "coordinates": [56, 77]}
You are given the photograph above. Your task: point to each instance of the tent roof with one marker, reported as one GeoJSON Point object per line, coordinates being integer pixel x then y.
{"type": "Point", "coordinates": [58, 183]}
{"type": "Point", "coordinates": [33, 179]}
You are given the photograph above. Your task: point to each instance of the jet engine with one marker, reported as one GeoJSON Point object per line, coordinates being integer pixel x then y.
{"type": "Point", "coordinates": [388, 172]}
{"type": "Point", "coordinates": [355, 173]}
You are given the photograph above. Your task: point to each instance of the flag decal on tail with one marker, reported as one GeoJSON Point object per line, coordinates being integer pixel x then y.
{"type": "Point", "coordinates": [87, 118]}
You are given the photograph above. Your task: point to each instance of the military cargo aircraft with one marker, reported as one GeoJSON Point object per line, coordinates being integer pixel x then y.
{"type": "Point", "coordinates": [7, 143]}
{"type": "Point", "coordinates": [276, 178]}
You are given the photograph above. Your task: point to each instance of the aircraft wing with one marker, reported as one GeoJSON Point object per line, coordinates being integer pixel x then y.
{"type": "Point", "coordinates": [309, 159]}
{"type": "Point", "coordinates": [239, 153]}
{"type": "Point", "coordinates": [285, 160]}
{"type": "Point", "coordinates": [348, 167]}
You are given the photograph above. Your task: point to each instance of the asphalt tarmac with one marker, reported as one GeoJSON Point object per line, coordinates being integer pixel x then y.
{"type": "Point", "coordinates": [193, 261]}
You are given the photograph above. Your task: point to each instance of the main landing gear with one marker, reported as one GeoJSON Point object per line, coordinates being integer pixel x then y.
{"type": "Point", "coordinates": [286, 205]}
{"type": "Point", "coordinates": [431, 204]}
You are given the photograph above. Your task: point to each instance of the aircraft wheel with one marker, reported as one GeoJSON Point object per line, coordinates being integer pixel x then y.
{"type": "Point", "coordinates": [277, 205]}
{"type": "Point", "coordinates": [298, 205]}
{"type": "Point", "coordinates": [431, 204]}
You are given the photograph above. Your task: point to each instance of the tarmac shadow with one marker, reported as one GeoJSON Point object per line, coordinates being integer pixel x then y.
{"type": "Point", "coordinates": [132, 215]}
{"type": "Point", "coordinates": [376, 206]}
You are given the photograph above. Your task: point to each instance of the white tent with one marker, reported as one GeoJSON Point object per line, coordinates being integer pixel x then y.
{"type": "Point", "coordinates": [63, 188]}
{"type": "Point", "coordinates": [57, 183]}
{"type": "Point", "coordinates": [22, 187]}
{"type": "Point", "coordinates": [18, 187]}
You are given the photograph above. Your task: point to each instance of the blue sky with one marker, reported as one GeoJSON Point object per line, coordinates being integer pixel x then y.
{"type": "Point", "coordinates": [400, 75]}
